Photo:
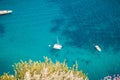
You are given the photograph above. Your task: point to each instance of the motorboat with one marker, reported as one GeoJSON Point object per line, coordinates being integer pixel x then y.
{"type": "Point", "coordinates": [98, 48]}
{"type": "Point", "coordinates": [2, 12]}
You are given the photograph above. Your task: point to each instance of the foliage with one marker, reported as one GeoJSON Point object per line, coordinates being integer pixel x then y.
{"type": "Point", "coordinates": [114, 77]}
{"type": "Point", "coordinates": [37, 70]}
{"type": "Point", "coordinates": [7, 76]}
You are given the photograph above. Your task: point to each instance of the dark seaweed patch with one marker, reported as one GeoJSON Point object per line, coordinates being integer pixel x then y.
{"type": "Point", "coordinates": [57, 25]}
{"type": "Point", "coordinates": [89, 22]}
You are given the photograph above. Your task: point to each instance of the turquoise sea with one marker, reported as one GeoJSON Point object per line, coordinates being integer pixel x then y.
{"type": "Point", "coordinates": [79, 25]}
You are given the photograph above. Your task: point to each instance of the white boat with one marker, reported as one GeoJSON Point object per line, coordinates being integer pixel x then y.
{"type": "Point", "coordinates": [98, 48]}
{"type": "Point", "coordinates": [2, 12]}
{"type": "Point", "coordinates": [57, 45]}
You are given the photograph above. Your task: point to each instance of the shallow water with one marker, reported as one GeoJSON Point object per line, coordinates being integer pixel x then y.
{"type": "Point", "coordinates": [80, 24]}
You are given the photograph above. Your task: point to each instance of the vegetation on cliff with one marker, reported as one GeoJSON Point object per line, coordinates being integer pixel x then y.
{"type": "Point", "coordinates": [37, 70]}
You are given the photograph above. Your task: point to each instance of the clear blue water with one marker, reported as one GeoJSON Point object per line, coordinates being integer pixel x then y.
{"type": "Point", "coordinates": [80, 24]}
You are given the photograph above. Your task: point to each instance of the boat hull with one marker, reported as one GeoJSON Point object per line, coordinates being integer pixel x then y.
{"type": "Point", "coordinates": [3, 12]}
